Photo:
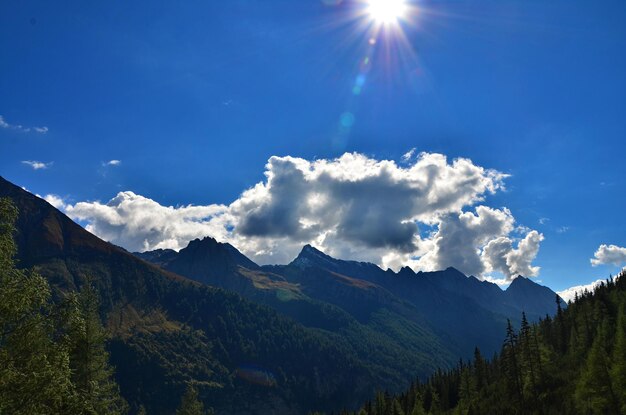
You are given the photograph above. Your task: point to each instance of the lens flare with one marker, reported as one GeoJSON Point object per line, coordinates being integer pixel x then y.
{"type": "Point", "coordinates": [386, 11]}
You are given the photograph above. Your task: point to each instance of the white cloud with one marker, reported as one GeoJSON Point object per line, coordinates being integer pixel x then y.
{"type": "Point", "coordinates": [352, 207]}
{"type": "Point", "coordinates": [609, 255]}
{"type": "Point", "coordinates": [21, 128]}
{"type": "Point", "coordinates": [112, 163]}
{"type": "Point", "coordinates": [480, 243]}
{"type": "Point", "coordinates": [54, 200]}
{"type": "Point", "coordinates": [139, 223]}
{"type": "Point", "coordinates": [406, 157]}
{"type": "Point", "coordinates": [570, 293]}
{"type": "Point", "coordinates": [37, 165]}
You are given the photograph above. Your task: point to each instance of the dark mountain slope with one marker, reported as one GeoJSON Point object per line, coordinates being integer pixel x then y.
{"type": "Point", "coordinates": [466, 311]}
{"type": "Point", "coordinates": [169, 330]}
{"type": "Point", "coordinates": [463, 312]}
{"type": "Point", "coordinates": [526, 295]}
{"type": "Point", "coordinates": [536, 302]}
{"type": "Point", "coordinates": [383, 329]}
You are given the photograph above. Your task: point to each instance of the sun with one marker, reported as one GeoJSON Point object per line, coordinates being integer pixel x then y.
{"type": "Point", "coordinates": [386, 11]}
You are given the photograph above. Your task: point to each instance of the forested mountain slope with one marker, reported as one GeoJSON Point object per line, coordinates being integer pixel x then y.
{"type": "Point", "coordinates": [463, 312]}
{"type": "Point", "coordinates": [574, 363]}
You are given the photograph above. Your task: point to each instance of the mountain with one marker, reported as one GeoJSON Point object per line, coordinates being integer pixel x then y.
{"type": "Point", "coordinates": [461, 312]}
{"type": "Point", "coordinates": [534, 299]}
{"type": "Point", "coordinates": [525, 294]}
{"type": "Point", "coordinates": [383, 329]}
{"type": "Point", "coordinates": [169, 331]}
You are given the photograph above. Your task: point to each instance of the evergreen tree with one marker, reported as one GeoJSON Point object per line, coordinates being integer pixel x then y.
{"type": "Point", "coordinates": [480, 370]}
{"type": "Point", "coordinates": [593, 392]}
{"type": "Point", "coordinates": [511, 363]}
{"type": "Point", "coordinates": [191, 404]}
{"type": "Point", "coordinates": [34, 367]}
{"type": "Point", "coordinates": [529, 358]}
{"type": "Point", "coordinates": [561, 330]}
{"type": "Point", "coordinates": [618, 364]}
{"type": "Point", "coordinates": [418, 407]}
{"type": "Point", "coordinates": [396, 408]}
{"type": "Point", "coordinates": [92, 374]}
{"type": "Point", "coordinates": [467, 388]}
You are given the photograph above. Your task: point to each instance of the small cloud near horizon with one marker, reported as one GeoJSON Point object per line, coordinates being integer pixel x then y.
{"type": "Point", "coordinates": [609, 255]}
{"type": "Point", "coordinates": [570, 293]}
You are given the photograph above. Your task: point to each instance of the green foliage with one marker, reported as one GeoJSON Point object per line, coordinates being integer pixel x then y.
{"type": "Point", "coordinates": [593, 390]}
{"type": "Point", "coordinates": [618, 370]}
{"type": "Point", "coordinates": [190, 404]}
{"type": "Point", "coordinates": [52, 358]}
{"type": "Point", "coordinates": [92, 375]}
{"type": "Point", "coordinates": [34, 368]}
{"type": "Point", "coordinates": [574, 363]}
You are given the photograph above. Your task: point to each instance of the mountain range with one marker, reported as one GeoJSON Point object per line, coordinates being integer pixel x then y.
{"type": "Point", "coordinates": [316, 334]}
{"type": "Point", "coordinates": [465, 311]}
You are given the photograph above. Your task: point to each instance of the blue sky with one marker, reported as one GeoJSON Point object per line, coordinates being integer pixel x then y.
{"type": "Point", "coordinates": [194, 97]}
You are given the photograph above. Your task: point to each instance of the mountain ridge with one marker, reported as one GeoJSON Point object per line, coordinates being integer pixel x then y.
{"type": "Point", "coordinates": [452, 304]}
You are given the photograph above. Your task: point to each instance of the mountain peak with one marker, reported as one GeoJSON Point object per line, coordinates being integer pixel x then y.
{"type": "Point", "coordinates": [526, 293]}
{"type": "Point", "coordinates": [521, 281]}
{"type": "Point", "coordinates": [310, 249]}
{"type": "Point", "coordinates": [452, 270]}
{"type": "Point", "coordinates": [310, 256]}
{"type": "Point", "coordinates": [206, 241]}
{"type": "Point", "coordinates": [406, 272]}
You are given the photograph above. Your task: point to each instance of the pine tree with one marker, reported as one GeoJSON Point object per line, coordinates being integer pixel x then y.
{"type": "Point", "coordinates": [190, 404]}
{"type": "Point", "coordinates": [593, 392]}
{"type": "Point", "coordinates": [418, 407]}
{"type": "Point", "coordinates": [34, 367]}
{"type": "Point", "coordinates": [480, 370]}
{"type": "Point", "coordinates": [467, 388]}
{"type": "Point", "coordinates": [561, 330]}
{"type": "Point", "coordinates": [91, 373]}
{"type": "Point", "coordinates": [396, 408]}
{"type": "Point", "coordinates": [529, 358]}
{"type": "Point", "coordinates": [511, 364]}
{"type": "Point", "coordinates": [618, 364]}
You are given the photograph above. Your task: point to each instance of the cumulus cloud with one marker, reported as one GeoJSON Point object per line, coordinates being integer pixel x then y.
{"type": "Point", "coordinates": [37, 165]}
{"type": "Point", "coordinates": [362, 200]}
{"type": "Point", "coordinates": [139, 223]}
{"type": "Point", "coordinates": [609, 255]}
{"type": "Point", "coordinates": [17, 127]}
{"type": "Point", "coordinates": [352, 207]}
{"type": "Point", "coordinates": [570, 293]}
{"type": "Point", "coordinates": [480, 242]}
{"type": "Point", "coordinates": [460, 237]}
{"type": "Point", "coordinates": [499, 255]}
{"type": "Point", "coordinates": [112, 163]}
{"type": "Point", "coordinates": [54, 200]}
